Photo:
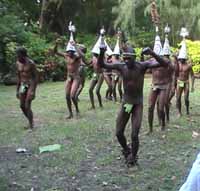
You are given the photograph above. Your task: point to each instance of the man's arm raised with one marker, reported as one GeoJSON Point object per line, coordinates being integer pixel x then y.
{"type": "Point", "coordinates": [55, 50]}
{"type": "Point", "coordinates": [102, 64]}
{"type": "Point", "coordinates": [158, 62]}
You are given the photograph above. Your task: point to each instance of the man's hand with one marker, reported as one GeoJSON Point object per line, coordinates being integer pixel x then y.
{"type": "Point", "coordinates": [147, 51]}
{"type": "Point", "coordinates": [58, 41]}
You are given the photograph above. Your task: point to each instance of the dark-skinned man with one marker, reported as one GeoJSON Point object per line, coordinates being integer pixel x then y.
{"type": "Point", "coordinates": [73, 57]}
{"type": "Point", "coordinates": [132, 105]}
{"type": "Point", "coordinates": [184, 71]}
{"type": "Point", "coordinates": [97, 77]}
{"type": "Point", "coordinates": [26, 84]}
{"type": "Point", "coordinates": [160, 82]}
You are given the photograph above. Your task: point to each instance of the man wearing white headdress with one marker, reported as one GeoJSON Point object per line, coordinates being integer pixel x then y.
{"type": "Point", "coordinates": [184, 71]}
{"type": "Point", "coordinates": [97, 78]}
{"type": "Point", "coordinates": [132, 105]}
{"type": "Point", "coordinates": [170, 72]}
{"type": "Point", "coordinates": [160, 81]}
{"type": "Point", "coordinates": [73, 58]}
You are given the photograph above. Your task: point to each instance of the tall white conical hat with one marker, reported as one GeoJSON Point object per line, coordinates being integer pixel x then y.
{"type": "Point", "coordinates": [166, 47]}
{"type": "Point", "coordinates": [157, 44]}
{"type": "Point", "coordinates": [109, 52]}
{"type": "Point", "coordinates": [72, 30]}
{"type": "Point", "coordinates": [183, 50]}
{"type": "Point", "coordinates": [71, 47]}
{"type": "Point", "coordinates": [117, 48]}
{"type": "Point", "coordinates": [96, 49]}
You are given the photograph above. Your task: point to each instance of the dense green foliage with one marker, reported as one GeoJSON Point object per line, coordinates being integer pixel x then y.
{"type": "Point", "coordinates": [19, 25]}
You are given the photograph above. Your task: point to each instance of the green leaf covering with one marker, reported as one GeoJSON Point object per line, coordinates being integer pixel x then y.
{"type": "Point", "coordinates": [50, 148]}
{"type": "Point", "coordinates": [128, 107]}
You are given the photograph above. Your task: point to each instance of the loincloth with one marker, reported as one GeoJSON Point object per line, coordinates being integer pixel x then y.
{"type": "Point", "coordinates": [96, 76]}
{"type": "Point", "coordinates": [73, 76]}
{"type": "Point", "coordinates": [182, 84]}
{"type": "Point", "coordinates": [159, 87]}
{"type": "Point", "coordinates": [24, 86]}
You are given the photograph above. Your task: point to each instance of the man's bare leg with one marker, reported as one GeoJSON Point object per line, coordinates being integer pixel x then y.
{"type": "Point", "coordinates": [121, 122]}
{"type": "Point", "coordinates": [120, 88]}
{"type": "Point", "coordinates": [114, 85]}
{"type": "Point", "coordinates": [161, 111]}
{"type": "Point", "coordinates": [80, 88]}
{"type": "Point", "coordinates": [23, 106]}
{"type": "Point", "coordinates": [186, 97]}
{"type": "Point", "coordinates": [29, 112]}
{"type": "Point", "coordinates": [152, 101]}
{"type": "Point", "coordinates": [74, 88]}
{"type": "Point", "coordinates": [108, 81]}
{"type": "Point", "coordinates": [136, 121]}
{"type": "Point", "coordinates": [98, 88]}
{"type": "Point", "coordinates": [157, 108]}
{"type": "Point", "coordinates": [91, 89]}
{"type": "Point", "coordinates": [178, 100]}
{"type": "Point", "coordinates": [68, 98]}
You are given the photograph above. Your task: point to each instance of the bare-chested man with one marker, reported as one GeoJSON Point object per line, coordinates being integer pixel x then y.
{"type": "Point", "coordinates": [161, 80]}
{"type": "Point", "coordinates": [98, 76]}
{"type": "Point", "coordinates": [185, 70]}
{"type": "Point", "coordinates": [96, 81]}
{"type": "Point", "coordinates": [26, 84]}
{"type": "Point", "coordinates": [73, 59]}
{"type": "Point", "coordinates": [132, 104]}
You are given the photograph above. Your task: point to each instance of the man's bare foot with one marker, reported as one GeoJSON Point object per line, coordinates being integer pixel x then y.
{"type": "Point", "coordinates": [131, 161]}
{"type": "Point", "coordinates": [31, 126]}
{"type": "Point", "coordinates": [78, 115]}
{"type": "Point", "coordinates": [92, 108]}
{"type": "Point", "coordinates": [26, 127]}
{"type": "Point", "coordinates": [149, 132]}
{"type": "Point", "coordinates": [162, 128]}
{"type": "Point", "coordinates": [69, 117]}
{"type": "Point", "coordinates": [126, 152]}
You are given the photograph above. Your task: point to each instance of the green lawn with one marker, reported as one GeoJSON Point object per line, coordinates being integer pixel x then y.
{"type": "Point", "coordinates": [89, 158]}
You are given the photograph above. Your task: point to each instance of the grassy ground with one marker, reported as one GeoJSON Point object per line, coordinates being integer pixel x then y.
{"type": "Point", "coordinates": [90, 155]}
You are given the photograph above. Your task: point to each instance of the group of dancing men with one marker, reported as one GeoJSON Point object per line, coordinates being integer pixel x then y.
{"type": "Point", "coordinates": [118, 67]}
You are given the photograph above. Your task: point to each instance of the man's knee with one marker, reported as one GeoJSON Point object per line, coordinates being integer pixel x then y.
{"type": "Point", "coordinates": [73, 97]}
{"type": "Point", "coordinates": [135, 137]}
{"type": "Point", "coordinates": [68, 97]}
{"type": "Point", "coordinates": [119, 132]}
{"type": "Point", "coordinates": [26, 106]}
{"type": "Point", "coordinates": [186, 101]}
{"type": "Point", "coordinates": [150, 108]}
{"type": "Point", "coordinates": [22, 106]}
{"type": "Point", "coordinates": [98, 91]}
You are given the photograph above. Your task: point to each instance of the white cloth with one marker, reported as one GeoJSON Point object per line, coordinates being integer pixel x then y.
{"type": "Point", "coordinates": [193, 180]}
